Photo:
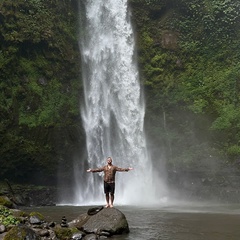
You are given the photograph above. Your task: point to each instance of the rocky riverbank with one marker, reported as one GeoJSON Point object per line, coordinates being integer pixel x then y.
{"type": "Point", "coordinates": [16, 224]}
{"type": "Point", "coordinates": [96, 223]}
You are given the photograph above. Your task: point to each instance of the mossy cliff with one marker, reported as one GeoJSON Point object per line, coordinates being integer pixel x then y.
{"type": "Point", "coordinates": [188, 55]}
{"type": "Point", "coordinates": [40, 89]}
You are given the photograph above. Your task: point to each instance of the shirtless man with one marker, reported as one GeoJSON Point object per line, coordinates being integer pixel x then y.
{"type": "Point", "coordinates": [109, 179]}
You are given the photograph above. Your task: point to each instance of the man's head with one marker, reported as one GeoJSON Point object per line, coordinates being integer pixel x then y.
{"type": "Point", "coordinates": [109, 160]}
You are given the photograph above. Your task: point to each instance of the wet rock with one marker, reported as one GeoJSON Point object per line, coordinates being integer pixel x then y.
{"type": "Point", "coordinates": [44, 233]}
{"type": "Point", "coordinates": [21, 232]}
{"type": "Point", "coordinates": [103, 233]}
{"type": "Point", "coordinates": [78, 236]}
{"type": "Point", "coordinates": [35, 220]}
{"type": "Point", "coordinates": [2, 228]}
{"type": "Point", "coordinates": [107, 222]}
{"type": "Point", "coordinates": [64, 222]}
{"type": "Point", "coordinates": [63, 233]}
{"type": "Point", "coordinates": [2, 235]}
{"type": "Point", "coordinates": [5, 201]}
{"type": "Point", "coordinates": [93, 211]}
{"type": "Point", "coordinates": [52, 224]}
{"type": "Point", "coordinates": [90, 237]}
{"type": "Point", "coordinates": [52, 235]}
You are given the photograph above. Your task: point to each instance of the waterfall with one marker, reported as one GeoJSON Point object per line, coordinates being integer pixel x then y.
{"type": "Point", "coordinates": [113, 110]}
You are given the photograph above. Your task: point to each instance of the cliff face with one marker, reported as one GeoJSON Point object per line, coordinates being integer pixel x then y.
{"type": "Point", "coordinates": [189, 64]}
{"type": "Point", "coordinates": [40, 89]}
{"type": "Point", "coordinates": [188, 56]}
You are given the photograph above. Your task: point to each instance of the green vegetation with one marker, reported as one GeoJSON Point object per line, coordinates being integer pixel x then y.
{"type": "Point", "coordinates": [20, 232]}
{"type": "Point", "coordinates": [7, 218]}
{"type": "Point", "coordinates": [189, 61]}
{"type": "Point", "coordinates": [5, 202]}
{"type": "Point", "coordinates": [65, 233]}
{"type": "Point", "coordinates": [40, 87]}
{"type": "Point", "coordinates": [38, 215]}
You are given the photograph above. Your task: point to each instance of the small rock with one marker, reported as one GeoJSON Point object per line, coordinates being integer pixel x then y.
{"type": "Point", "coordinates": [90, 237]}
{"type": "Point", "coordinates": [52, 224]}
{"type": "Point", "coordinates": [2, 228]}
{"type": "Point", "coordinates": [78, 236]}
{"type": "Point", "coordinates": [104, 233]}
{"type": "Point", "coordinates": [35, 220]}
{"type": "Point", "coordinates": [44, 233]}
{"type": "Point", "coordinates": [52, 235]}
{"type": "Point", "coordinates": [64, 222]}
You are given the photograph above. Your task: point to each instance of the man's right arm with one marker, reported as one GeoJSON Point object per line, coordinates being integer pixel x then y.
{"type": "Point", "coordinates": [95, 170]}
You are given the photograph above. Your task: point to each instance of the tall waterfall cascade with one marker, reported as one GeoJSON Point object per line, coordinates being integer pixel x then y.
{"type": "Point", "coordinates": [113, 111]}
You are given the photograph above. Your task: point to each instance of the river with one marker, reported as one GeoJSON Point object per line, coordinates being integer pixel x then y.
{"type": "Point", "coordinates": [176, 222]}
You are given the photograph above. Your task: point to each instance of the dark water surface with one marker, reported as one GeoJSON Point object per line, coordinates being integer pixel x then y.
{"type": "Point", "coordinates": [188, 222]}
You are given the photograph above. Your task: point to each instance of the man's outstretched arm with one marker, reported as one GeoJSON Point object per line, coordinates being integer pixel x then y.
{"type": "Point", "coordinates": [124, 169]}
{"type": "Point", "coordinates": [95, 170]}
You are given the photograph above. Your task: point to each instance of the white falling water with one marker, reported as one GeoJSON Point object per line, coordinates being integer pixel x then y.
{"type": "Point", "coordinates": [113, 112]}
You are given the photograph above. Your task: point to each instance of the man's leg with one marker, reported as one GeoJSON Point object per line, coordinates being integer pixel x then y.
{"type": "Point", "coordinates": [112, 190]}
{"type": "Point", "coordinates": [106, 191]}
{"type": "Point", "coordinates": [107, 200]}
{"type": "Point", "coordinates": [112, 199]}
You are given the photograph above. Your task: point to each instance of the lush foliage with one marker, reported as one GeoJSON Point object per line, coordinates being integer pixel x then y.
{"type": "Point", "coordinates": [7, 218]}
{"type": "Point", "coordinates": [39, 71]}
{"type": "Point", "coordinates": [189, 62]}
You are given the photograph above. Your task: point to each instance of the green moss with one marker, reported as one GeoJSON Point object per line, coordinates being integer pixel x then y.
{"type": "Point", "coordinates": [37, 214]}
{"type": "Point", "coordinates": [65, 233]}
{"type": "Point", "coordinates": [20, 233]}
{"type": "Point", "coordinates": [19, 213]}
{"type": "Point", "coordinates": [5, 202]}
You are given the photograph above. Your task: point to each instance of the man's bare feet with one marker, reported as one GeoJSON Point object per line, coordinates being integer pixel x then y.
{"type": "Point", "coordinates": [107, 206]}
{"type": "Point", "coordinates": [111, 206]}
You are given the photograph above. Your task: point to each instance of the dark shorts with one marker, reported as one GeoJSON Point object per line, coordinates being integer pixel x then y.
{"type": "Point", "coordinates": [109, 188]}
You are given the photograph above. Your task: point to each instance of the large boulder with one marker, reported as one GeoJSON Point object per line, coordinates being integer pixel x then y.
{"type": "Point", "coordinates": [108, 220]}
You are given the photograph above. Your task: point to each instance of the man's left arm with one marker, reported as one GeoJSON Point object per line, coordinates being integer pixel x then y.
{"type": "Point", "coordinates": [123, 169]}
